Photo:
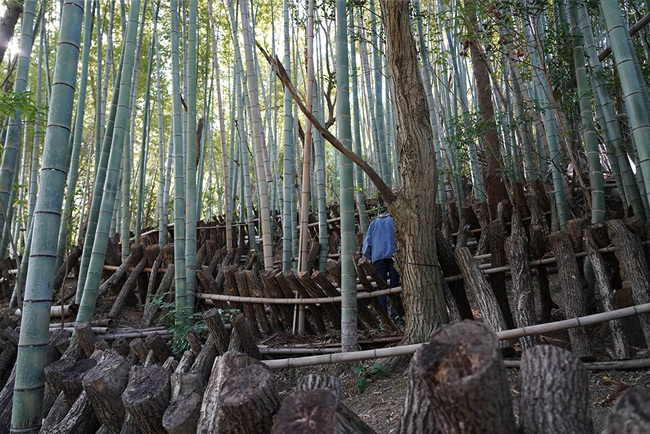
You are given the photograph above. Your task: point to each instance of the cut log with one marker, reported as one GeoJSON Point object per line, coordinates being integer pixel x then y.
{"type": "Point", "coordinates": [134, 257]}
{"type": "Point", "coordinates": [69, 263]}
{"type": "Point", "coordinates": [139, 349]}
{"type": "Point", "coordinates": [242, 339]}
{"type": "Point", "coordinates": [281, 312]}
{"type": "Point", "coordinates": [160, 349]}
{"type": "Point", "coordinates": [127, 289]}
{"type": "Point", "coordinates": [205, 359]}
{"type": "Point", "coordinates": [186, 362]}
{"type": "Point", "coordinates": [104, 385]}
{"type": "Point", "coordinates": [7, 361]}
{"type": "Point", "coordinates": [482, 293]}
{"type": "Point", "coordinates": [224, 367]}
{"type": "Point", "coordinates": [330, 290]}
{"type": "Point", "coordinates": [6, 402]}
{"type": "Point", "coordinates": [634, 268]}
{"type": "Point", "coordinates": [317, 411]}
{"type": "Point", "coordinates": [316, 381]}
{"type": "Point", "coordinates": [215, 325]}
{"type": "Point", "coordinates": [538, 243]}
{"type": "Point", "coordinates": [59, 410]}
{"type": "Point", "coordinates": [575, 303]}
{"type": "Point", "coordinates": [147, 397]}
{"type": "Point", "coordinates": [449, 267]}
{"type": "Point", "coordinates": [457, 384]}
{"type": "Point", "coordinates": [56, 371]}
{"type": "Point", "coordinates": [151, 309]}
{"type": "Point", "coordinates": [84, 333]}
{"type": "Point", "coordinates": [194, 341]}
{"type": "Point", "coordinates": [483, 215]}
{"type": "Point", "coordinates": [153, 278]}
{"type": "Point", "coordinates": [522, 283]}
{"type": "Point", "coordinates": [631, 413]}
{"type": "Point", "coordinates": [249, 400]}
{"type": "Point", "coordinates": [498, 280]}
{"type": "Point", "coordinates": [182, 415]}
{"type": "Point", "coordinates": [80, 419]}
{"type": "Point", "coordinates": [316, 312]}
{"type": "Point", "coordinates": [603, 279]}
{"type": "Point", "coordinates": [71, 379]}
{"type": "Point", "coordinates": [314, 291]}
{"type": "Point", "coordinates": [379, 311]}
{"type": "Point", "coordinates": [554, 393]}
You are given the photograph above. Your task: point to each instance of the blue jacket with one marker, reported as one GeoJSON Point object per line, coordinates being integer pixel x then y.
{"type": "Point", "coordinates": [380, 238]}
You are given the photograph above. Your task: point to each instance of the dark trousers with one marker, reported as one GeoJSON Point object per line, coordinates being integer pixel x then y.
{"type": "Point", "coordinates": [386, 270]}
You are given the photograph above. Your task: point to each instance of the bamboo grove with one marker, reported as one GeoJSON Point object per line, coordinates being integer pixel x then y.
{"type": "Point", "coordinates": [124, 117]}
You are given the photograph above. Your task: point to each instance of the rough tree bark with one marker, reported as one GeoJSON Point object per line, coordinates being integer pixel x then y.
{"type": "Point", "coordinates": [631, 413]}
{"type": "Point", "coordinates": [413, 208]}
{"type": "Point", "coordinates": [8, 23]}
{"type": "Point", "coordinates": [554, 395]}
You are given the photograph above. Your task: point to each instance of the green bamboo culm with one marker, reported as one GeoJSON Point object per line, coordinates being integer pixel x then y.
{"type": "Point", "coordinates": [190, 161]}
{"type": "Point", "coordinates": [258, 138]}
{"type": "Point", "coordinates": [590, 138]}
{"type": "Point", "coordinates": [344, 132]}
{"type": "Point", "coordinates": [162, 208]}
{"type": "Point", "coordinates": [98, 187]}
{"type": "Point", "coordinates": [29, 387]}
{"type": "Point", "coordinates": [11, 152]}
{"type": "Point", "coordinates": [635, 104]}
{"type": "Point", "coordinates": [288, 212]}
{"type": "Point", "coordinates": [98, 254]}
{"type": "Point", "coordinates": [73, 172]}
{"type": "Point", "coordinates": [179, 170]}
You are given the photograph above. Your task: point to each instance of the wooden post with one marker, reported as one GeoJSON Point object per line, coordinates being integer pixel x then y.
{"type": "Point", "coordinates": [242, 339]}
{"type": "Point", "coordinates": [554, 394]}
{"type": "Point", "coordinates": [215, 325]}
{"type": "Point", "coordinates": [498, 280]}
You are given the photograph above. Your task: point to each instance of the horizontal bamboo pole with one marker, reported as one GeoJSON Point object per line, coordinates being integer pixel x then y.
{"type": "Point", "coordinates": [614, 365]}
{"type": "Point", "coordinates": [406, 350]}
{"type": "Point", "coordinates": [55, 311]}
{"type": "Point", "coordinates": [293, 301]}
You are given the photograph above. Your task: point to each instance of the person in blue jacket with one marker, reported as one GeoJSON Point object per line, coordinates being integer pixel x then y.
{"type": "Point", "coordinates": [379, 247]}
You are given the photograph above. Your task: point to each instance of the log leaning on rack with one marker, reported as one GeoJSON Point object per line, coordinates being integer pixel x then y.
{"type": "Point", "coordinates": [545, 369]}
{"type": "Point", "coordinates": [575, 303]}
{"type": "Point", "coordinates": [147, 396]}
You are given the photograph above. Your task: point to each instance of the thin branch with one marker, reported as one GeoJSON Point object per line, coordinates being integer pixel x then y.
{"type": "Point", "coordinates": [385, 191]}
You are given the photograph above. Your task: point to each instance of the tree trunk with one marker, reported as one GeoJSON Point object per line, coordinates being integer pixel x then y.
{"type": "Point", "coordinates": [127, 289]}
{"type": "Point", "coordinates": [317, 411]}
{"type": "Point", "coordinates": [413, 208]}
{"type": "Point", "coordinates": [242, 339]}
{"type": "Point", "coordinates": [315, 381]}
{"type": "Point", "coordinates": [151, 309]}
{"type": "Point", "coordinates": [59, 410]}
{"type": "Point", "coordinates": [575, 304]}
{"type": "Point", "coordinates": [8, 23]}
{"type": "Point", "coordinates": [498, 280]}
{"type": "Point", "coordinates": [205, 359]}
{"type": "Point", "coordinates": [449, 267]}
{"type": "Point", "coordinates": [554, 394]}
{"type": "Point", "coordinates": [457, 384]}
{"type": "Point", "coordinates": [213, 320]}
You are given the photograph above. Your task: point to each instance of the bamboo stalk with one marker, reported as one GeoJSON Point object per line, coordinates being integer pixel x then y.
{"type": "Point", "coordinates": [406, 350]}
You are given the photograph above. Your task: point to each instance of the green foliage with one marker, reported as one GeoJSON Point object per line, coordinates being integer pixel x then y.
{"type": "Point", "coordinates": [23, 102]}
{"type": "Point", "coordinates": [365, 374]}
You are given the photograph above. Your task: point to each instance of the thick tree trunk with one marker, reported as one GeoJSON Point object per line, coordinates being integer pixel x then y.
{"type": "Point", "coordinates": [496, 190]}
{"type": "Point", "coordinates": [554, 394]}
{"type": "Point", "coordinates": [317, 411]}
{"type": "Point", "coordinates": [413, 210]}
{"type": "Point", "coordinates": [631, 413]}
{"type": "Point", "coordinates": [575, 304]}
{"type": "Point", "coordinates": [457, 384]}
